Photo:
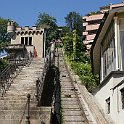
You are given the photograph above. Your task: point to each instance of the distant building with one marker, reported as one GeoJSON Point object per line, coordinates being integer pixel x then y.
{"type": "Point", "coordinates": [92, 22]}
{"type": "Point", "coordinates": [90, 25]}
{"type": "Point", "coordinates": [26, 40]}
{"type": "Point", "coordinates": [107, 53]}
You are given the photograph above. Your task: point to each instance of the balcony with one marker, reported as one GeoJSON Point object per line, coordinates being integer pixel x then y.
{"type": "Point", "coordinates": [92, 27]}
{"type": "Point", "coordinates": [94, 17]}
{"type": "Point", "coordinates": [85, 24]}
{"type": "Point", "coordinates": [15, 46]}
{"type": "Point", "coordinates": [88, 47]}
{"type": "Point", "coordinates": [90, 37]}
{"type": "Point", "coordinates": [85, 42]}
{"type": "Point", "coordinates": [85, 33]}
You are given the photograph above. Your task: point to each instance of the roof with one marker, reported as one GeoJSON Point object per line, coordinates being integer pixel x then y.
{"type": "Point", "coordinates": [95, 49]}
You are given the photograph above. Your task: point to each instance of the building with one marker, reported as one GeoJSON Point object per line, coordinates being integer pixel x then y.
{"type": "Point", "coordinates": [92, 22]}
{"type": "Point", "coordinates": [107, 54]}
{"type": "Point", "coordinates": [26, 40]}
{"type": "Point", "coordinates": [90, 25]}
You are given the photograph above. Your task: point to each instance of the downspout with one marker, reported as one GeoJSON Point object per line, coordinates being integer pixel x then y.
{"type": "Point", "coordinates": [117, 100]}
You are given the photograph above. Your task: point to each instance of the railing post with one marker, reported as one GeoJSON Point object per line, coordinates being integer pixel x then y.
{"type": "Point", "coordinates": [37, 90]}
{"type": "Point", "coordinates": [28, 109]}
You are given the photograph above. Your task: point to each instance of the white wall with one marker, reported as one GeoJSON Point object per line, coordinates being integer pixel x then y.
{"type": "Point", "coordinates": [37, 41]}
{"type": "Point", "coordinates": [106, 91]}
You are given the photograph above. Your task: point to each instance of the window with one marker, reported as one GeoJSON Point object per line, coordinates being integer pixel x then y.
{"type": "Point", "coordinates": [122, 97]}
{"type": "Point", "coordinates": [108, 53]}
{"type": "Point", "coordinates": [30, 40]}
{"type": "Point", "coordinates": [26, 40]}
{"type": "Point", "coordinates": [108, 105]}
{"type": "Point", "coordinates": [22, 40]}
{"type": "Point", "coordinates": [122, 41]}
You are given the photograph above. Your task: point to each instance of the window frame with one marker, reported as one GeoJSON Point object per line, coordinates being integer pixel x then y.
{"type": "Point", "coordinates": [108, 51]}
{"type": "Point", "coordinates": [122, 98]}
{"type": "Point", "coordinates": [108, 105]}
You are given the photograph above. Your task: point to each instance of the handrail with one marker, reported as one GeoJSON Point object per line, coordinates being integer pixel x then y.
{"type": "Point", "coordinates": [27, 106]}
{"type": "Point", "coordinates": [10, 72]}
{"type": "Point", "coordinates": [40, 82]}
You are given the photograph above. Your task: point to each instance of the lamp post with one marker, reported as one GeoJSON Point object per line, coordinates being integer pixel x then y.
{"type": "Point", "coordinates": [45, 27]}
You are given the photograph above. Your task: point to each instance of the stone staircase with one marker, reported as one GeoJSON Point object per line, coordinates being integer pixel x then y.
{"type": "Point", "coordinates": [72, 113]}
{"type": "Point", "coordinates": [13, 108]}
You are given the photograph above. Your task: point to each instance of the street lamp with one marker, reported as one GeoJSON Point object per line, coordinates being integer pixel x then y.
{"type": "Point", "coordinates": [45, 27]}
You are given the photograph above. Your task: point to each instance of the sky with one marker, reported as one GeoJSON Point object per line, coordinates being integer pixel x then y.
{"type": "Point", "coordinates": [25, 12]}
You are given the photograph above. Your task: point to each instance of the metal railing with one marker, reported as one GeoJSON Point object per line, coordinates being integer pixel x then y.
{"type": "Point", "coordinates": [39, 88]}
{"type": "Point", "coordinates": [10, 72]}
{"type": "Point", "coordinates": [40, 82]}
{"type": "Point", "coordinates": [50, 59]}
{"type": "Point", "coordinates": [26, 107]}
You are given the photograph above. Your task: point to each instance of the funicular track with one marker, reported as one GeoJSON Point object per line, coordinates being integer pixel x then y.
{"type": "Point", "coordinates": [71, 108]}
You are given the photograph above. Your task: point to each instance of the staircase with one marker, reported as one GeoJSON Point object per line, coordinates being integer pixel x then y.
{"type": "Point", "coordinates": [13, 106]}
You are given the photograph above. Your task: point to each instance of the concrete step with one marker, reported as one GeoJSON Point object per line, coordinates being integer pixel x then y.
{"type": "Point", "coordinates": [74, 119]}
{"type": "Point", "coordinates": [13, 103]}
{"type": "Point", "coordinates": [68, 99]}
{"type": "Point", "coordinates": [70, 102]}
{"type": "Point", "coordinates": [75, 123]}
{"type": "Point", "coordinates": [70, 113]}
{"type": "Point", "coordinates": [70, 106]}
{"type": "Point", "coordinates": [32, 121]}
{"type": "Point", "coordinates": [68, 96]}
{"type": "Point", "coordinates": [14, 116]}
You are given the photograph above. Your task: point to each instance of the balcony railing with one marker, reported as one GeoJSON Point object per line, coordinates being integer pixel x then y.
{"type": "Point", "coordinates": [90, 37]}
{"type": "Point", "coordinates": [92, 27]}
{"type": "Point", "coordinates": [16, 46]}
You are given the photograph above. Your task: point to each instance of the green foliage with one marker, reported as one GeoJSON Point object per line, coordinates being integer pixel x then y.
{"type": "Point", "coordinates": [74, 22]}
{"type": "Point", "coordinates": [92, 13]}
{"type": "Point", "coordinates": [45, 18]}
{"type": "Point", "coordinates": [74, 46]}
{"type": "Point", "coordinates": [74, 50]}
{"type": "Point", "coordinates": [4, 37]}
{"type": "Point", "coordinates": [46, 21]}
{"type": "Point", "coordinates": [3, 63]}
{"type": "Point", "coordinates": [67, 43]}
{"type": "Point", "coordinates": [83, 70]}
{"type": "Point", "coordinates": [3, 30]}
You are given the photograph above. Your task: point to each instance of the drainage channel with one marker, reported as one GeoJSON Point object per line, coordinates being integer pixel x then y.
{"type": "Point", "coordinates": [72, 111]}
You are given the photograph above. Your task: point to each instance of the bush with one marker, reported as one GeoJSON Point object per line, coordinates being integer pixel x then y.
{"type": "Point", "coordinates": [83, 70]}
{"type": "Point", "coordinates": [3, 63]}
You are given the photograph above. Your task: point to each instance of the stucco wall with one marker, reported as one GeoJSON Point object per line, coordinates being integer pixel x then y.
{"type": "Point", "coordinates": [37, 41]}
{"type": "Point", "coordinates": [106, 91]}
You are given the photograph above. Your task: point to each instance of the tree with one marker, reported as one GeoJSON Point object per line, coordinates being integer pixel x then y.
{"type": "Point", "coordinates": [74, 22]}
{"type": "Point", "coordinates": [93, 13]}
{"type": "Point", "coordinates": [3, 30]}
{"type": "Point", "coordinates": [4, 36]}
{"type": "Point", "coordinates": [46, 21]}
{"type": "Point", "coordinates": [68, 44]}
